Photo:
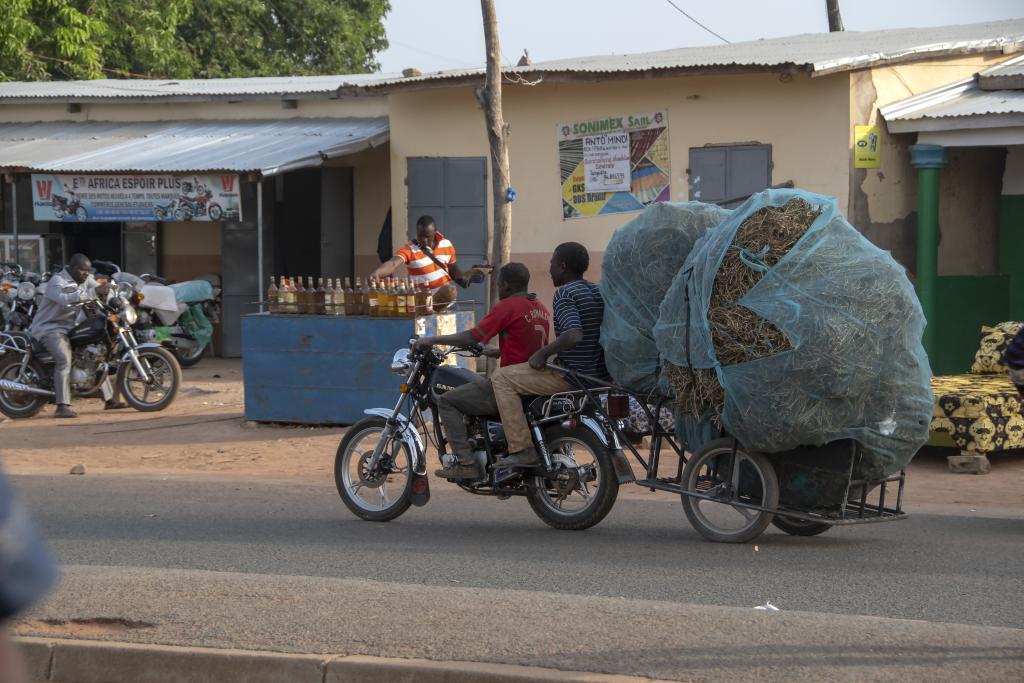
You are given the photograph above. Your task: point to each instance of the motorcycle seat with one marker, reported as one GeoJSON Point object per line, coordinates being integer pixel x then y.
{"type": "Point", "coordinates": [27, 341]}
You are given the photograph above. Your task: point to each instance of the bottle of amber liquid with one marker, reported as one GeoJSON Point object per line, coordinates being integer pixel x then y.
{"type": "Point", "coordinates": [335, 297]}
{"type": "Point", "coordinates": [272, 294]}
{"type": "Point", "coordinates": [300, 296]}
{"type": "Point", "coordinates": [428, 300]}
{"type": "Point", "coordinates": [329, 297]}
{"type": "Point", "coordinates": [347, 300]}
{"type": "Point", "coordinates": [387, 305]}
{"type": "Point", "coordinates": [410, 298]}
{"type": "Point", "coordinates": [320, 297]}
{"type": "Point", "coordinates": [373, 299]}
{"type": "Point", "coordinates": [283, 294]}
{"type": "Point", "coordinates": [362, 298]}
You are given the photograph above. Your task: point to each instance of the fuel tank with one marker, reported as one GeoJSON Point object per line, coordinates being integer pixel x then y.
{"type": "Point", "coordinates": [89, 331]}
{"type": "Point", "coordinates": [447, 378]}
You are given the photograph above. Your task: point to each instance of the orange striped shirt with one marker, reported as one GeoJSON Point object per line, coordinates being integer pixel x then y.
{"type": "Point", "coordinates": [420, 266]}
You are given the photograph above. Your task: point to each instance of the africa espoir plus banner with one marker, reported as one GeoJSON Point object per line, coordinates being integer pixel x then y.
{"type": "Point", "coordinates": [127, 197]}
{"type": "Point", "coordinates": [614, 164]}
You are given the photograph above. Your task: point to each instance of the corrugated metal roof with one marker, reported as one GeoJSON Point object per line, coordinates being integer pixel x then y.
{"type": "Point", "coordinates": [1008, 75]}
{"type": "Point", "coordinates": [268, 147]}
{"type": "Point", "coordinates": [818, 53]}
{"type": "Point", "coordinates": [112, 88]}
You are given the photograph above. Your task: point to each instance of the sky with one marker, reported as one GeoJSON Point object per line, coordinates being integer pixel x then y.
{"type": "Point", "coordinates": [448, 34]}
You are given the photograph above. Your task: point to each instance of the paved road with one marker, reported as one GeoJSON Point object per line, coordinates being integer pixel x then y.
{"type": "Point", "coordinates": [274, 554]}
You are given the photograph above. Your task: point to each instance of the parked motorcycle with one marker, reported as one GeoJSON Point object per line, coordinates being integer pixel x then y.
{"type": "Point", "coordinates": [19, 297]}
{"type": "Point", "coordinates": [380, 468]}
{"type": "Point", "coordinates": [62, 206]}
{"type": "Point", "coordinates": [179, 316]}
{"type": "Point", "coordinates": [201, 203]}
{"type": "Point", "coordinates": [147, 375]}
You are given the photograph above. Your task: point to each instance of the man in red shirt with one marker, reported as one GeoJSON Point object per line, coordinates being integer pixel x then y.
{"type": "Point", "coordinates": [522, 325]}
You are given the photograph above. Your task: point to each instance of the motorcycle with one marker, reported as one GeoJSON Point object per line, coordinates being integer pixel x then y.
{"type": "Point", "coordinates": [162, 319]}
{"type": "Point", "coordinates": [19, 294]}
{"type": "Point", "coordinates": [62, 206]}
{"type": "Point", "coordinates": [380, 469]}
{"type": "Point", "coordinates": [147, 375]}
{"type": "Point", "coordinates": [200, 204]}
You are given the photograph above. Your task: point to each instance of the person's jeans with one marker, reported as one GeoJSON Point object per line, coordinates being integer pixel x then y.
{"type": "Point", "coordinates": [511, 383]}
{"type": "Point", "coordinates": [473, 398]}
{"type": "Point", "coordinates": [60, 348]}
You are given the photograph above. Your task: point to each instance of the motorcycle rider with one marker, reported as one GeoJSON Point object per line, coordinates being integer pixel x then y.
{"type": "Point", "coordinates": [55, 318]}
{"type": "Point", "coordinates": [522, 325]}
{"type": "Point", "coordinates": [578, 312]}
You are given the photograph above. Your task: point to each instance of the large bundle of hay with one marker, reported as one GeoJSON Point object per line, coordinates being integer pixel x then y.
{"type": "Point", "coordinates": [638, 266]}
{"type": "Point", "coordinates": [791, 329]}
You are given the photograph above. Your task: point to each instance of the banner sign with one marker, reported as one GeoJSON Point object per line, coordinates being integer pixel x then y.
{"type": "Point", "coordinates": [614, 164]}
{"type": "Point", "coordinates": [127, 197]}
{"type": "Point", "coordinates": [867, 152]}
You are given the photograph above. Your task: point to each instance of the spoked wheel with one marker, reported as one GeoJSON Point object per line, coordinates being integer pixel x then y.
{"type": "Point", "coordinates": [799, 527]}
{"type": "Point", "coordinates": [190, 356]}
{"type": "Point", "coordinates": [17, 405]}
{"type": "Point", "coordinates": [378, 495]}
{"type": "Point", "coordinates": [159, 391]}
{"type": "Point", "coordinates": [728, 474]}
{"type": "Point", "coordinates": [582, 489]}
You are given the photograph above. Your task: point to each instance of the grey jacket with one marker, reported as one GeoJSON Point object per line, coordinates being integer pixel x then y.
{"type": "Point", "coordinates": [56, 311]}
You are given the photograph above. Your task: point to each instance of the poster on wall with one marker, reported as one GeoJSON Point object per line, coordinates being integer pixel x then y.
{"type": "Point", "coordinates": [128, 197]}
{"type": "Point", "coordinates": [614, 164]}
{"type": "Point", "coordinates": [867, 151]}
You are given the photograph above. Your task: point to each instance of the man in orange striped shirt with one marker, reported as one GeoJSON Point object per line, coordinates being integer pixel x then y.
{"type": "Point", "coordinates": [440, 273]}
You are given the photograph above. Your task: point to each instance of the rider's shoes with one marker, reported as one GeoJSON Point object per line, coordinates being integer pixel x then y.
{"type": "Point", "coordinates": [460, 471]}
{"type": "Point", "coordinates": [65, 411]}
{"type": "Point", "coordinates": [114, 405]}
{"type": "Point", "coordinates": [525, 458]}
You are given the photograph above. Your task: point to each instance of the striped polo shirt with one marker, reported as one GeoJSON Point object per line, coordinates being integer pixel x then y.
{"type": "Point", "coordinates": [578, 306]}
{"type": "Point", "coordinates": [420, 266]}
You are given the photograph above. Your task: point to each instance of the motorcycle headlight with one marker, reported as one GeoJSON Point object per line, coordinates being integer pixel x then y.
{"type": "Point", "coordinates": [26, 291]}
{"type": "Point", "coordinates": [129, 315]}
{"type": "Point", "coordinates": [401, 362]}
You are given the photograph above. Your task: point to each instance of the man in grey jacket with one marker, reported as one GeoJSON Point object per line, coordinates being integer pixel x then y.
{"type": "Point", "coordinates": [55, 318]}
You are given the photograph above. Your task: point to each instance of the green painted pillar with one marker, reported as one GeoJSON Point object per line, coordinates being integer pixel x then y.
{"type": "Point", "coordinates": [928, 159]}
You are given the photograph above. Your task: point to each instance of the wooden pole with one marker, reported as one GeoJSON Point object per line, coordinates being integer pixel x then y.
{"type": "Point", "coordinates": [835, 19]}
{"type": "Point", "coordinates": [489, 96]}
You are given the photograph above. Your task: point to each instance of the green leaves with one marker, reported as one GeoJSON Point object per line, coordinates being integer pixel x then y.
{"type": "Point", "coordinates": [84, 39]}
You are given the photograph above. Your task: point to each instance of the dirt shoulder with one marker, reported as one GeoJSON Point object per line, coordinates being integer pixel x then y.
{"type": "Point", "coordinates": [204, 434]}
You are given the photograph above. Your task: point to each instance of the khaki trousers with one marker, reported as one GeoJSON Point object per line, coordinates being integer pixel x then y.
{"type": "Point", "coordinates": [510, 384]}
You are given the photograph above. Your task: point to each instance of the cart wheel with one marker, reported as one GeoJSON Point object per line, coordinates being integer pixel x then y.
{"type": "Point", "coordinates": [799, 527]}
{"type": "Point", "coordinates": [711, 472]}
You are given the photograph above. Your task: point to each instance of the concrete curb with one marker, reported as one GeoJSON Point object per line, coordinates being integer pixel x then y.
{"type": "Point", "coordinates": [84, 661]}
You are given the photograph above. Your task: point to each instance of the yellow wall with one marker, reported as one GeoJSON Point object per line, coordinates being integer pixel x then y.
{"type": "Point", "coordinates": [191, 239]}
{"type": "Point", "coordinates": [372, 194]}
{"type": "Point", "coordinates": [244, 109]}
{"type": "Point", "coordinates": [804, 120]}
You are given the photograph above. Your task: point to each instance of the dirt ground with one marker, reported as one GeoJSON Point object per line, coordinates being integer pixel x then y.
{"type": "Point", "coordinates": [204, 433]}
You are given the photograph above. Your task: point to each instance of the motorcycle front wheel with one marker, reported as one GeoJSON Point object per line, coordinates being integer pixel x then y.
{"type": "Point", "coordinates": [215, 212]}
{"type": "Point", "coordinates": [162, 387]}
{"type": "Point", "coordinates": [14, 405]}
{"type": "Point", "coordinates": [81, 214]}
{"type": "Point", "coordinates": [374, 496]}
{"type": "Point", "coordinates": [584, 486]}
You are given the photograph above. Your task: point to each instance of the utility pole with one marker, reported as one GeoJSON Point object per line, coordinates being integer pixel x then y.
{"type": "Point", "coordinates": [500, 237]}
{"type": "Point", "coordinates": [835, 19]}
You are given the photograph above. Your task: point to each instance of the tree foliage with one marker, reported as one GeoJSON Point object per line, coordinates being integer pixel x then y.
{"type": "Point", "coordinates": [85, 39]}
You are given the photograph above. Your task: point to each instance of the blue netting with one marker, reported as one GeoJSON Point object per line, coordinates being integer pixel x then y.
{"type": "Point", "coordinates": [856, 368]}
{"type": "Point", "coordinates": [638, 266]}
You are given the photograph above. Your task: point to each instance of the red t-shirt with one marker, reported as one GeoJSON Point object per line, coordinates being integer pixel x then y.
{"type": "Point", "coordinates": [522, 324]}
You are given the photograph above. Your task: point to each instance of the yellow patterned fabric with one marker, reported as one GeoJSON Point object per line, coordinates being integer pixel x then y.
{"type": "Point", "coordinates": [981, 413]}
{"type": "Point", "coordinates": [988, 358]}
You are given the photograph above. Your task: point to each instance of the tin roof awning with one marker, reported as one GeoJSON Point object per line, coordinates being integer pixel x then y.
{"type": "Point", "coordinates": [268, 147]}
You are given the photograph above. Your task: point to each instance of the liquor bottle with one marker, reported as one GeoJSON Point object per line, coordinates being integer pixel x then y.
{"type": "Point", "coordinates": [347, 297]}
{"type": "Point", "coordinates": [329, 297]}
{"type": "Point", "coordinates": [284, 296]}
{"type": "Point", "coordinates": [272, 294]}
{"type": "Point", "coordinates": [387, 302]}
{"type": "Point", "coordinates": [300, 295]}
{"type": "Point", "coordinates": [403, 301]}
{"type": "Point", "coordinates": [428, 300]}
{"type": "Point", "coordinates": [362, 298]}
{"type": "Point", "coordinates": [320, 297]}
{"type": "Point", "coordinates": [410, 298]}
{"type": "Point", "coordinates": [334, 302]}
{"type": "Point", "coordinates": [373, 299]}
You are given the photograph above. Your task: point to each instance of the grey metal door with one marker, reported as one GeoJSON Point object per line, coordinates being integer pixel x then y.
{"type": "Point", "coordinates": [454, 191]}
{"type": "Point", "coordinates": [139, 248]}
{"type": "Point", "coordinates": [728, 174]}
{"type": "Point", "coordinates": [239, 255]}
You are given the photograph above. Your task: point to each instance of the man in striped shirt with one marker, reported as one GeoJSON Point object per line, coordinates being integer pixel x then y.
{"type": "Point", "coordinates": [578, 311]}
{"type": "Point", "coordinates": [430, 259]}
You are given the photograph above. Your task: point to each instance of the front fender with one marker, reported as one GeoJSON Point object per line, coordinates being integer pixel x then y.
{"type": "Point", "coordinates": [126, 356]}
{"type": "Point", "coordinates": [410, 436]}
{"type": "Point", "coordinates": [623, 470]}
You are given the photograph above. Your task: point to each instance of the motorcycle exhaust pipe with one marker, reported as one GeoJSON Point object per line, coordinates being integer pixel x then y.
{"type": "Point", "coordinates": [19, 388]}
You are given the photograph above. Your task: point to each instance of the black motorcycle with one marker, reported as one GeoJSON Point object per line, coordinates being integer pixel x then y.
{"type": "Point", "coordinates": [381, 469]}
{"type": "Point", "coordinates": [19, 296]}
{"type": "Point", "coordinates": [62, 206]}
{"type": "Point", "coordinates": [147, 375]}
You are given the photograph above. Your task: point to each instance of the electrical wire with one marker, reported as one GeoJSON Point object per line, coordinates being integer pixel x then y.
{"type": "Point", "coordinates": [691, 18]}
{"type": "Point", "coordinates": [101, 68]}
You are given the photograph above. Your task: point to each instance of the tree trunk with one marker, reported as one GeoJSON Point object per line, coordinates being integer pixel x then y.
{"type": "Point", "coordinates": [835, 19]}
{"type": "Point", "coordinates": [500, 236]}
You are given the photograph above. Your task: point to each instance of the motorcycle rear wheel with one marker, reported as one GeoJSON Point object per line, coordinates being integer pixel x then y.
{"type": "Point", "coordinates": [350, 477]}
{"type": "Point", "coordinates": [595, 499]}
{"type": "Point", "coordinates": [19, 406]}
{"type": "Point", "coordinates": [166, 381]}
{"type": "Point", "coordinates": [190, 357]}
